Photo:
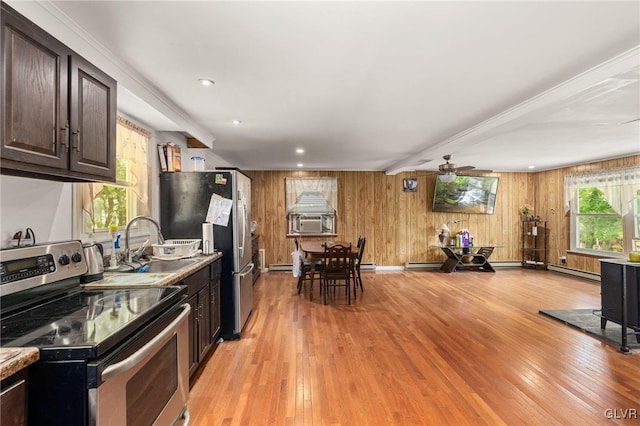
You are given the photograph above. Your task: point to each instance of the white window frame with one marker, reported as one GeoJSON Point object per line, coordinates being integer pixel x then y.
{"type": "Point", "coordinates": [629, 214]}
{"type": "Point", "coordinates": [139, 232]}
{"type": "Point", "coordinates": [627, 234]}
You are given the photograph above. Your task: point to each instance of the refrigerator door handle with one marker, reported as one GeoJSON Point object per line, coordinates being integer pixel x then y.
{"type": "Point", "coordinates": [244, 223]}
{"type": "Point", "coordinates": [246, 270]}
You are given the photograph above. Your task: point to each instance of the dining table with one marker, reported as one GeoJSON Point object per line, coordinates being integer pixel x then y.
{"type": "Point", "coordinates": [314, 250]}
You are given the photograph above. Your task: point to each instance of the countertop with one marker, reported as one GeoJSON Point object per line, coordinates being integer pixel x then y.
{"type": "Point", "coordinates": [13, 360]}
{"type": "Point", "coordinates": [115, 280]}
{"type": "Point", "coordinates": [622, 262]}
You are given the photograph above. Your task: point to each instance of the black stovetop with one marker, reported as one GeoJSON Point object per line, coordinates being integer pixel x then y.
{"type": "Point", "coordinates": [85, 324]}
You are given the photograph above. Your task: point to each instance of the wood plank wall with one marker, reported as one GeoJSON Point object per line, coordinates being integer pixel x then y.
{"type": "Point", "coordinates": [400, 226]}
{"type": "Point", "coordinates": [550, 194]}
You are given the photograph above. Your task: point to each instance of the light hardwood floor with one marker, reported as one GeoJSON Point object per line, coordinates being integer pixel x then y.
{"type": "Point", "coordinates": [419, 347]}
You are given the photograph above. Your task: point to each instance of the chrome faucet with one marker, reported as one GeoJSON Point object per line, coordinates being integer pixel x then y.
{"type": "Point", "coordinates": [127, 252]}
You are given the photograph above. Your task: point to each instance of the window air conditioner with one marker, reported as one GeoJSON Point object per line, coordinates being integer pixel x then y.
{"type": "Point", "coordinates": [310, 224]}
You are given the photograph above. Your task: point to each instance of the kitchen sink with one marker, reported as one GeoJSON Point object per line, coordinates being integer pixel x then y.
{"type": "Point", "coordinates": [117, 280]}
{"type": "Point", "coordinates": [158, 266]}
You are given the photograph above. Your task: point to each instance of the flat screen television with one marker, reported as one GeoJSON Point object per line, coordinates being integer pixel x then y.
{"type": "Point", "coordinates": [466, 194]}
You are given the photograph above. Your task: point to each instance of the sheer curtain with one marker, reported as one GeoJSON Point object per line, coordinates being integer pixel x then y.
{"type": "Point", "coordinates": [132, 144]}
{"type": "Point", "coordinates": [618, 185]}
{"type": "Point", "coordinates": [327, 186]}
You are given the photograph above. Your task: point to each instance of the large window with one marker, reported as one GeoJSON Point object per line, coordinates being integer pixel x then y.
{"type": "Point", "coordinates": [604, 209]}
{"type": "Point", "coordinates": [115, 205]}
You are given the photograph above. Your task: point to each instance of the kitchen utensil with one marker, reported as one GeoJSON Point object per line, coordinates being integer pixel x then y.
{"type": "Point", "coordinates": [93, 255]}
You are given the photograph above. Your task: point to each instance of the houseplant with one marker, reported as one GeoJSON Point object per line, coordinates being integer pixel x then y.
{"type": "Point", "coordinates": [527, 211]}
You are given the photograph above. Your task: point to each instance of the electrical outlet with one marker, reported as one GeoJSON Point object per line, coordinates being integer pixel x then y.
{"type": "Point", "coordinates": [563, 259]}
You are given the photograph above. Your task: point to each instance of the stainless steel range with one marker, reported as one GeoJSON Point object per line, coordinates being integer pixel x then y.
{"type": "Point", "coordinates": [106, 356]}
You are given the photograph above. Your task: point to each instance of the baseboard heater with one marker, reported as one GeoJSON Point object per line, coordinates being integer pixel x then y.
{"type": "Point", "coordinates": [289, 267]}
{"type": "Point", "coordinates": [417, 266]}
{"type": "Point", "coordinates": [574, 272]}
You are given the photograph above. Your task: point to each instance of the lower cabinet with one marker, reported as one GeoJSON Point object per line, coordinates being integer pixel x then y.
{"type": "Point", "coordinates": [13, 400]}
{"type": "Point", "coordinates": [204, 321]}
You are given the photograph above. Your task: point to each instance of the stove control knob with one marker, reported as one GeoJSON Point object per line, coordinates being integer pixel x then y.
{"type": "Point", "coordinates": [76, 257]}
{"type": "Point", "coordinates": [64, 259]}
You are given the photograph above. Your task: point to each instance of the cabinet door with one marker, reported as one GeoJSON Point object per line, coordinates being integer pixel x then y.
{"type": "Point", "coordinates": [204, 338]}
{"type": "Point", "coordinates": [13, 402]}
{"type": "Point", "coordinates": [214, 310]}
{"type": "Point", "coordinates": [193, 327]}
{"type": "Point", "coordinates": [93, 120]}
{"type": "Point", "coordinates": [35, 99]}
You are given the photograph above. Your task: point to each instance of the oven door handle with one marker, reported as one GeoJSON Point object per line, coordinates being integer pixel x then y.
{"type": "Point", "coordinates": [152, 346]}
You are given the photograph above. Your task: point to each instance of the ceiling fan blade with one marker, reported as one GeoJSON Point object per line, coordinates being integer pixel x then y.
{"type": "Point", "coordinates": [463, 168]}
{"type": "Point", "coordinates": [476, 171]}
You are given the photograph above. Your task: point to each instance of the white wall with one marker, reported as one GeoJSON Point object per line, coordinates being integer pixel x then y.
{"type": "Point", "coordinates": [41, 205]}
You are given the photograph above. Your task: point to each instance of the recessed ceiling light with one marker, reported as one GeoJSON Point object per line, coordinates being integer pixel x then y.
{"type": "Point", "coordinates": [236, 122]}
{"type": "Point", "coordinates": [300, 151]}
{"type": "Point", "coordinates": [206, 82]}
{"type": "Point", "coordinates": [531, 167]}
{"type": "Point", "coordinates": [300, 165]}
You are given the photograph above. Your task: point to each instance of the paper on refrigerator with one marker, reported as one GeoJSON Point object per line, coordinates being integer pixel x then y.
{"type": "Point", "coordinates": [219, 210]}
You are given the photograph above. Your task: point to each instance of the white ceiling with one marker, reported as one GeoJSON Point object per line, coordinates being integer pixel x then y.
{"type": "Point", "coordinates": [363, 85]}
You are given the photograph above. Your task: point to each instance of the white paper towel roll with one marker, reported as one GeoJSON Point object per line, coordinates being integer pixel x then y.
{"type": "Point", "coordinates": [207, 238]}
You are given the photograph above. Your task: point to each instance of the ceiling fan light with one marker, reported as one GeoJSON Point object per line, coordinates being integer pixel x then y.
{"type": "Point", "coordinates": [448, 177]}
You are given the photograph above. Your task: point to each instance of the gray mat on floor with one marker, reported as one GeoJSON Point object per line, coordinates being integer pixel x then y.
{"type": "Point", "coordinates": [587, 321]}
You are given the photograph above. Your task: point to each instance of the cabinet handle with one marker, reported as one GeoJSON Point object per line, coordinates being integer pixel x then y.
{"type": "Point", "coordinates": [77, 135]}
{"type": "Point", "coordinates": [65, 139]}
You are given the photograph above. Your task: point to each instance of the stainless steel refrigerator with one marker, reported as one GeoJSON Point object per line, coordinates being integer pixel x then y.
{"type": "Point", "coordinates": [184, 202]}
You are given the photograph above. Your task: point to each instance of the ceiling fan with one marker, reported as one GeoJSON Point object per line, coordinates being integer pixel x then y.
{"type": "Point", "coordinates": [448, 171]}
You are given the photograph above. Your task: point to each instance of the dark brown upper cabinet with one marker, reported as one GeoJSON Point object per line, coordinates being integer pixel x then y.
{"type": "Point", "coordinates": [59, 111]}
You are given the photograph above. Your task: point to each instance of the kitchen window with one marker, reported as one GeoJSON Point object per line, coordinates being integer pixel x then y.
{"type": "Point", "coordinates": [101, 205]}
{"type": "Point", "coordinates": [604, 209]}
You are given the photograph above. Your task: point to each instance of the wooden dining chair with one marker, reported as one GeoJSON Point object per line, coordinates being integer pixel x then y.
{"type": "Point", "coordinates": [305, 267]}
{"type": "Point", "coordinates": [337, 270]}
{"type": "Point", "coordinates": [357, 278]}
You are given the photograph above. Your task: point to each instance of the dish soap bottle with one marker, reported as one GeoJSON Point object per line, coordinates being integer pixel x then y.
{"type": "Point", "coordinates": [115, 246]}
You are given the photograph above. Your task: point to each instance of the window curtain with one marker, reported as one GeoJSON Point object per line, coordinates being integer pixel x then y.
{"type": "Point", "coordinates": [618, 185]}
{"type": "Point", "coordinates": [327, 186]}
{"type": "Point", "coordinates": [132, 143]}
